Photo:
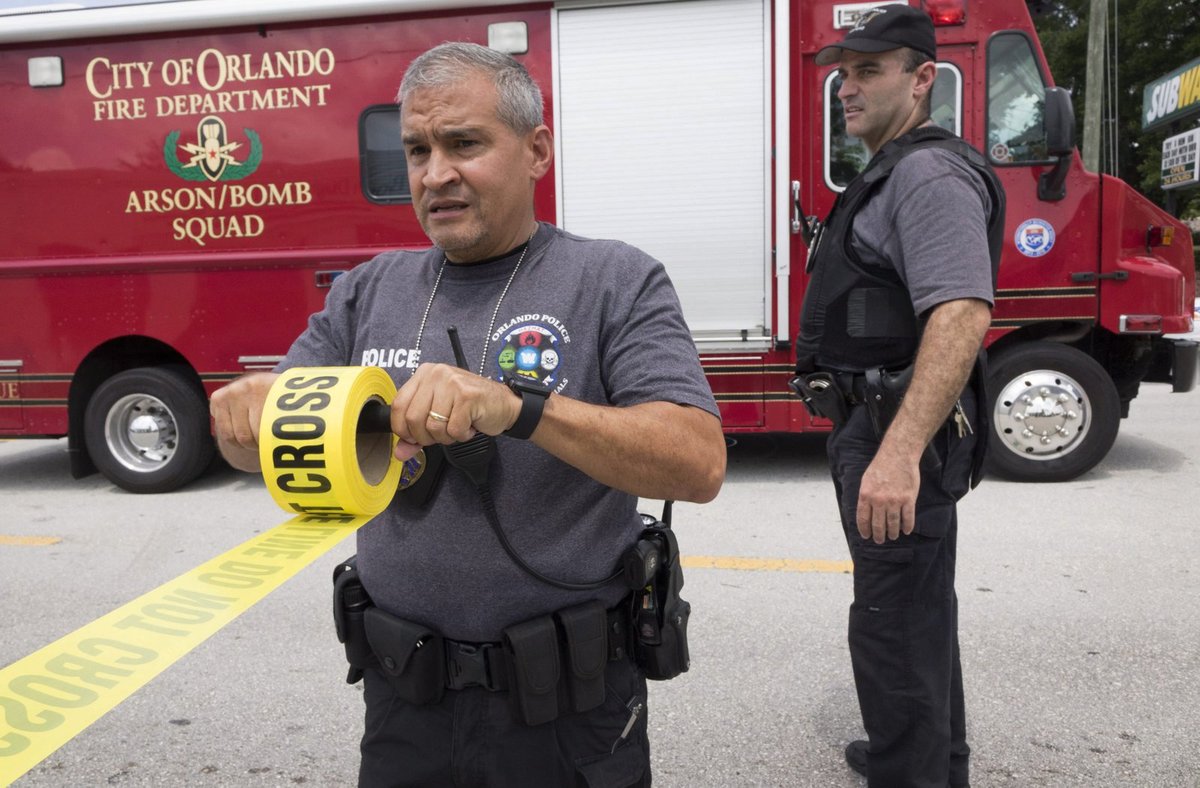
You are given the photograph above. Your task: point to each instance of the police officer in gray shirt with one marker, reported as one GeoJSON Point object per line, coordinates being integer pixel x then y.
{"type": "Point", "coordinates": [903, 273]}
{"type": "Point", "coordinates": [582, 366]}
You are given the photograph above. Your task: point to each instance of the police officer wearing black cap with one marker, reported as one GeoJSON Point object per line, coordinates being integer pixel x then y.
{"type": "Point", "coordinates": [902, 281]}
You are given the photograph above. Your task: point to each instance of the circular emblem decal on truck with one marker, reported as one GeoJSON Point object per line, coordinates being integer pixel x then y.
{"type": "Point", "coordinates": [1034, 238]}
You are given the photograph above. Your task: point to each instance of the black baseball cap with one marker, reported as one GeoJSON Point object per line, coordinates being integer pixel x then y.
{"type": "Point", "coordinates": [885, 28]}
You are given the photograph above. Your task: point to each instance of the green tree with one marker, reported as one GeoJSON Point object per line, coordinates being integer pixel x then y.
{"type": "Point", "coordinates": [1153, 38]}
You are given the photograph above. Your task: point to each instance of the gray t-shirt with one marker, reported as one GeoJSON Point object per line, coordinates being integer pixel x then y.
{"type": "Point", "coordinates": [597, 321]}
{"type": "Point", "coordinates": [929, 222]}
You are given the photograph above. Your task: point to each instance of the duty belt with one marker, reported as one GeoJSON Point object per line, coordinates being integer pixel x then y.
{"type": "Point", "coordinates": [831, 394]}
{"type": "Point", "coordinates": [550, 664]}
{"type": "Point", "coordinates": [486, 664]}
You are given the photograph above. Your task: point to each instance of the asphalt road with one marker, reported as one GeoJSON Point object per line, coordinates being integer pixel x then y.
{"type": "Point", "coordinates": [1080, 618]}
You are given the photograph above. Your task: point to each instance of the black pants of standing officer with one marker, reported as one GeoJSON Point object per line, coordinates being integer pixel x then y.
{"type": "Point", "coordinates": [903, 632]}
{"type": "Point", "coordinates": [472, 738]}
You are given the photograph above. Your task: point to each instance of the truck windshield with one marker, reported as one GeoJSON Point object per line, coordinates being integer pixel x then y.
{"type": "Point", "coordinates": [845, 156]}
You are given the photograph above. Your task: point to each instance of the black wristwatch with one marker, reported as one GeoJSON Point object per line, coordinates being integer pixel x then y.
{"type": "Point", "coordinates": [533, 400]}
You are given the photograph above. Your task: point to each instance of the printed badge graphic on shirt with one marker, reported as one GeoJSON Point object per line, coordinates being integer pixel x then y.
{"type": "Point", "coordinates": [1034, 237]}
{"type": "Point", "coordinates": [533, 348]}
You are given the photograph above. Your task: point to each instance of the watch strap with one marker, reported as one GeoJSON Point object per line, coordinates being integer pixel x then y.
{"type": "Point", "coordinates": [532, 405]}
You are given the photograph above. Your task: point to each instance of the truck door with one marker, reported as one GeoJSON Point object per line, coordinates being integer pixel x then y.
{"type": "Point", "coordinates": [1051, 243]}
{"type": "Point", "coordinates": [662, 121]}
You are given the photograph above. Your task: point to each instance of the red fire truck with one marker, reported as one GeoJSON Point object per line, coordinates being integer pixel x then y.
{"type": "Point", "coordinates": [180, 183]}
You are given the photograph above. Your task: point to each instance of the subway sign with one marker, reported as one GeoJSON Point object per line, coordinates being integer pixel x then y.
{"type": "Point", "coordinates": [1173, 97]}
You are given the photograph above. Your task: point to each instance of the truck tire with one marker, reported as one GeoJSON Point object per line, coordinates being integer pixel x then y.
{"type": "Point", "coordinates": [1055, 412]}
{"type": "Point", "coordinates": [147, 429]}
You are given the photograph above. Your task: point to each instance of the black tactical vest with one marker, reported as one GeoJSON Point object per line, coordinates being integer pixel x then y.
{"type": "Point", "coordinates": [858, 316]}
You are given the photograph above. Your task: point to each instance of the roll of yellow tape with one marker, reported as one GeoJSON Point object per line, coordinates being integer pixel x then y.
{"type": "Point", "coordinates": [314, 459]}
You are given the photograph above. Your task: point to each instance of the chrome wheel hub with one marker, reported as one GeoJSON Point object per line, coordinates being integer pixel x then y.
{"type": "Point", "coordinates": [1042, 414]}
{"type": "Point", "coordinates": [140, 432]}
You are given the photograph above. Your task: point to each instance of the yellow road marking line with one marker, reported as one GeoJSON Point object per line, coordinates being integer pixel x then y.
{"type": "Point", "coordinates": [765, 564]}
{"type": "Point", "coordinates": [29, 541]}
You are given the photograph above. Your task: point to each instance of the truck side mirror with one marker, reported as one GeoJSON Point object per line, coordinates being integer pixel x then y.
{"type": "Point", "coordinates": [1060, 143]}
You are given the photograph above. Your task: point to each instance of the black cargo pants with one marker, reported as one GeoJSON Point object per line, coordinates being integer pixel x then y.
{"type": "Point", "coordinates": [471, 738]}
{"type": "Point", "coordinates": [903, 631]}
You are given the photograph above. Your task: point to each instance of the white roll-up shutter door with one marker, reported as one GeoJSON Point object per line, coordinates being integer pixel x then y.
{"type": "Point", "coordinates": [662, 114]}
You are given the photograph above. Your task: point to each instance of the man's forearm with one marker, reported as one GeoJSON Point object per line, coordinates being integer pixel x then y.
{"type": "Point", "coordinates": [953, 335]}
{"type": "Point", "coordinates": [654, 450]}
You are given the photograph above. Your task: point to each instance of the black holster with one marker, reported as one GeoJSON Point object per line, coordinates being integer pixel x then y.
{"type": "Point", "coordinates": [660, 616]}
{"type": "Point", "coordinates": [822, 396]}
{"type": "Point", "coordinates": [882, 394]}
{"type": "Point", "coordinates": [350, 603]}
{"type": "Point", "coordinates": [410, 655]}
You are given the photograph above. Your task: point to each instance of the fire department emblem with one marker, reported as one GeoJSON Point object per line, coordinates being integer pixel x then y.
{"type": "Point", "coordinates": [212, 156]}
{"type": "Point", "coordinates": [1034, 238]}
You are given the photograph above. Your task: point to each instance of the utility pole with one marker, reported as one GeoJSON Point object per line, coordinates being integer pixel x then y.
{"type": "Point", "coordinates": [1094, 100]}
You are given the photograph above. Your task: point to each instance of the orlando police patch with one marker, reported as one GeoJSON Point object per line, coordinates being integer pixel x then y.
{"type": "Point", "coordinates": [534, 352]}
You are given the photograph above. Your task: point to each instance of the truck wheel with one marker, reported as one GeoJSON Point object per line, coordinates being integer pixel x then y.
{"type": "Point", "coordinates": [1055, 412]}
{"type": "Point", "coordinates": [147, 430]}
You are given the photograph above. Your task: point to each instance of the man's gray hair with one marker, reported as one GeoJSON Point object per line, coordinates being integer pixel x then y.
{"type": "Point", "coordinates": [519, 103]}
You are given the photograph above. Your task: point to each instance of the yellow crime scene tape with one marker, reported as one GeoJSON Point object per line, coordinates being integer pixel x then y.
{"type": "Point", "coordinates": [316, 463]}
